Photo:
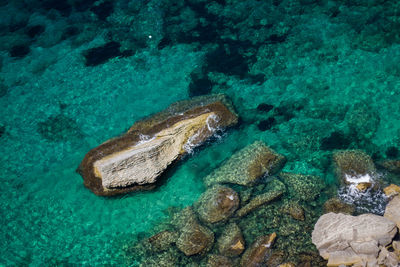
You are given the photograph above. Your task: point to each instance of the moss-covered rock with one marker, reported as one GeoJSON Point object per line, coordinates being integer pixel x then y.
{"type": "Point", "coordinates": [246, 166]}
{"type": "Point", "coordinates": [337, 206]}
{"type": "Point", "coordinates": [231, 242]}
{"type": "Point", "coordinates": [256, 254]}
{"type": "Point", "coordinates": [302, 187]}
{"type": "Point", "coordinates": [217, 204]}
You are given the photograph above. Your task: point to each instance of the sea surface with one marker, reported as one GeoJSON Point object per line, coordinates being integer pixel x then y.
{"type": "Point", "coordinates": [306, 77]}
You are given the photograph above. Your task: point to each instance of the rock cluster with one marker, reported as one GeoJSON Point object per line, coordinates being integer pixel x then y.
{"type": "Point", "coordinates": [354, 240]}
{"type": "Point", "coordinates": [136, 159]}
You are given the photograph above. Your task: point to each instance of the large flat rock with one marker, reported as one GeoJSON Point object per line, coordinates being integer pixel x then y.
{"type": "Point", "coordinates": [345, 239]}
{"type": "Point", "coordinates": [135, 160]}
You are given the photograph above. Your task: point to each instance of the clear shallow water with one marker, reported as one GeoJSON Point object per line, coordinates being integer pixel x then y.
{"type": "Point", "coordinates": [330, 74]}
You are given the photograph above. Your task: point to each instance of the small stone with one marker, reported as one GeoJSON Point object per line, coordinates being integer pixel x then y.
{"type": "Point", "coordinates": [396, 247]}
{"type": "Point", "coordinates": [392, 211]}
{"type": "Point", "coordinates": [246, 166]}
{"type": "Point", "coordinates": [257, 253]}
{"type": "Point", "coordinates": [231, 242]}
{"type": "Point", "coordinates": [163, 240]}
{"type": "Point", "coordinates": [217, 204]}
{"type": "Point", "coordinates": [194, 238]}
{"type": "Point", "coordinates": [392, 190]}
{"type": "Point", "coordinates": [287, 264]}
{"type": "Point", "coordinates": [337, 206]}
{"type": "Point", "coordinates": [219, 261]}
{"type": "Point", "coordinates": [277, 190]}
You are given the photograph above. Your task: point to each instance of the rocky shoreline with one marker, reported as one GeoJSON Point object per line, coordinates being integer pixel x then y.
{"type": "Point", "coordinates": [252, 213]}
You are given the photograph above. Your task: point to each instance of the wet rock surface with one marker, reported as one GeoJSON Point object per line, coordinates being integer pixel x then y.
{"type": "Point", "coordinates": [194, 238]}
{"type": "Point", "coordinates": [354, 167]}
{"type": "Point", "coordinates": [337, 206]}
{"type": "Point", "coordinates": [217, 204]}
{"type": "Point", "coordinates": [276, 189]}
{"type": "Point", "coordinates": [135, 160]}
{"type": "Point", "coordinates": [231, 242]}
{"type": "Point", "coordinates": [257, 254]}
{"type": "Point", "coordinates": [246, 166]}
{"type": "Point", "coordinates": [302, 187]}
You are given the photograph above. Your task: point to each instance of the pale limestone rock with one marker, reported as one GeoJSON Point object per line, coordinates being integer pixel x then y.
{"type": "Point", "coordinates": [135, 160]}
{"type": "Point", "coordinates": [346, 239]}
{"type": "Point", "coordinates": [392, 211]}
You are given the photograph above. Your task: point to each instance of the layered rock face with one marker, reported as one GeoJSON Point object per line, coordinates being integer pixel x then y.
{"type": "Point", "coordinates": [135, 160]}
{"type": "Point", "coordinates": [346, 240]}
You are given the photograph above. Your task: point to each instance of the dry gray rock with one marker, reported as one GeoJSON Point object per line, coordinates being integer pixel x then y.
{"type": "Point", "coordinates": [392, 211]}
{"type": "Point", "coordinates": [345, 239]}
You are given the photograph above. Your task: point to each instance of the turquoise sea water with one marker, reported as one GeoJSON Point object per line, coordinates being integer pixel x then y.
{"type": "Point", "coordinates": [330, 69]}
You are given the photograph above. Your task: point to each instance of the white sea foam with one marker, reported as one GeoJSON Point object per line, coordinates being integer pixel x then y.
{"type": "Point", "coordinates": [144, 139]}
{"type": "Point", "coordinates": [191, 144]}
{"type": "Point", "coordinates": [371, 200]}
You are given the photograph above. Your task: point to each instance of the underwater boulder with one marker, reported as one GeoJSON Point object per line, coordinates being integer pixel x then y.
{"type": "Point", "coordinates": [163, 240]}
{"type": "Point", "coordinates": [354, 167]}
{"type": "Point", "coordinates": [302, 187]}
{"type": "Point", "coordinates": [194, 238]}
{"type": "Point", "coordinates": [391, 165]}
{"type": "Point", "coordinates": [345, 239]}
{"type": "Point", "coordinates": [231, 242]}
{"type": "Point", "coordinates": [392, 211]}
{"type": "Point", "coordinates": [294, 209]}
{"type": "Point", "coordinates": [257, 253]}
{"type": "Point", "coordinates": [276, 190]}
{"type": "Point", "coordinates": [135, 160]}
{"type": "Point", "coordinates": [337, 206]}
{"type": "Point", "coordinates": [246, 166]}
{"type": "Point", "coordinates": [219, 261]}
{"type": "Point", "coordinates": [217, 204]}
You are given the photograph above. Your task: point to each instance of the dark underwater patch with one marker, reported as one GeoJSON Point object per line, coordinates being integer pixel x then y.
{"type": "Point", "coordinates": [3, 90]}
{"type": "Point", "coordinates": [59, 128]}
{"type": "Point", "coordinates": [61, 6]}
{"type": "Point", "coordinates": [267, 124]}
{"type": "Point", "coordinates": [200, 84]}
{"type": "Point", "coordinates": [337, 140]}
{"type": "Point", "coordinates": [392, 152]}
{"type": "Point", "coordinates": [20, 51]}
{"type": "Point", "coordinates": [264, 107]}
{"type": "Point", "coordinates": [2, 130]}
{"type": "Point", "coordinates": [103, 10]}
{"type": "Point", "coordinates": [70, 32]}
{"type": "Point", "coordinates": [99, 55]}
{"type": "Point", "coordinates": [34, 31]}
{"type": "Point", "coordinates": [228, 61]}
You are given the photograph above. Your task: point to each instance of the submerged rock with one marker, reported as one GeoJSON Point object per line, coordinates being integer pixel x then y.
{"type": "Point", "coordinates": [391, 165]}
{"type": "Point", "coordinates": [246, 166]}
{"type": "Point", "coordinates": [392, 211]}
{"type": "Point", "coordinates": [276, 189]}
{"type": "Point", "coordinates": [194, 238]}
{"type": "Point", "coordinates": [345, 239]}
{"type": "Point", "coordinates": [219, 261]}
{"type": "Point", "coordinates": [217, 204]}
{"type": "Point", "coordinates": [354, 167]}
{"type": "Point", "coordinates": [135, 160]}
{"type": "Point", "coordinates": [257, 254]}
{"type": "Point", "coordinates": [163, 240]}
{"type": "Point", "coordinates": [295, 210]}
{"type": "Point", "coordinates": [231, 242]}
{"type": "Point", "coordinates": [337, 206]}
{"type": "Point", "coordinates": [302, 187]}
